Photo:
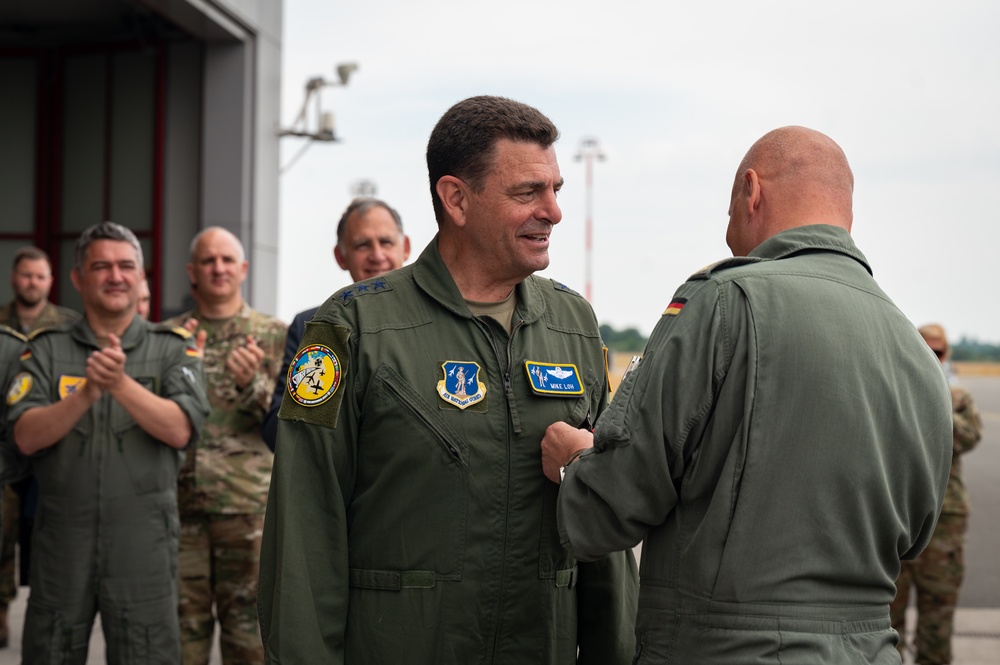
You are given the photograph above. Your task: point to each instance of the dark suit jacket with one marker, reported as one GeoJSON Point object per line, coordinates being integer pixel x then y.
{"type": "Point", "coordinates": [269, 428]}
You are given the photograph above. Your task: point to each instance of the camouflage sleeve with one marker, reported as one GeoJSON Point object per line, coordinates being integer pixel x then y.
{"type": "Point", "coordinates": [968, 422]}
{"type": "Point", "coordinates": [256, 396]}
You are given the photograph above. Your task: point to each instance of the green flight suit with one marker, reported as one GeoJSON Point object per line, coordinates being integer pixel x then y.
{"type": "Point", "coordinates": [784, 441]}
{"type": "Point", "coordinates": [105, 537]}
{"type": "Point", "coordinates": [12, 465]}
{"type": "Point", "coordinates": [401, 528]}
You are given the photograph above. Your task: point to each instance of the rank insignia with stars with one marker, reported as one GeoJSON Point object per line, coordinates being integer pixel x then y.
{"type": "Point", "coordinates": [461, 385]}
{"type": "Point", "coordinates": [367, 287]}
{"type": "Point", "coordinates": [313, 375]}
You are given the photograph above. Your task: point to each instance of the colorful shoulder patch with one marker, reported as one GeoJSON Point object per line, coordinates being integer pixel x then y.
{"type": "Point", "coordinates": [19, 387]}
{"type": "Point", "coordinates": [461, 385]}
{"type": "Point", "coordinates": [675, 307]}
{"type": "Point", "coordinates": [559, 379]}
{"type": "Point", "coordinates": [70, 384]}
{"type": "Point", "coordinates": [313, 375]}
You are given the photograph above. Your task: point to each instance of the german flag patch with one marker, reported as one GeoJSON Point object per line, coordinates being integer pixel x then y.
{"type": "Point", "coordinates": [675, 307]}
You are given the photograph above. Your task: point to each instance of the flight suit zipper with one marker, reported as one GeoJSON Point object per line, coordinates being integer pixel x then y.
{"type": "Point", "coordinates": [504, 362]}
{"type": "Point", "coordinates": [431, 425]}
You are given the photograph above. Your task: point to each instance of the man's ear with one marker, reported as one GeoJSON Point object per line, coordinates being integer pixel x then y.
{"type": "Point", "coordinates": [753, 198]}
{"type": "Point", "coordinates": [74, 276]}
{"type": "Point", "coordinates": [454, 195]}
{"type": "Point", "coordinates": [339, 256]}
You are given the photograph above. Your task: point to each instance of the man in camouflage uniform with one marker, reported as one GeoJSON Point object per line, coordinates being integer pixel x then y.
{"type": "Point", "coordinates": [31, 281]}
{"type": "Point", "coordinates": [937, 573]}
{"type": "Point", "coordinates": [223, 486]}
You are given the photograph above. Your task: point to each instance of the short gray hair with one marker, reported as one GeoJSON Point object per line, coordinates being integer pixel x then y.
{"type": "Point", "coordinates": [105, 231]}
{"type": "Point", "coordinates": [362, 205]}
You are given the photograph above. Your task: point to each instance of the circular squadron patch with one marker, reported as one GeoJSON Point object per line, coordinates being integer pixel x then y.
{"type": "Point", "coordinates": [313, 375]}
{"type": "Point", "coordinates": [19, 387]}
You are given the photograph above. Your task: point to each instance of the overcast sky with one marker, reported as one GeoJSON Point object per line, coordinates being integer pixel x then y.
{"type": "Point", "coordinates": [676, 93]}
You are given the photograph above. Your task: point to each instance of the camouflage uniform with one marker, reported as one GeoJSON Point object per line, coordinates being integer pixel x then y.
{"type": "Point", "coordinates": [937, 573]}
{"type": "Point", "coordinates": [222, 491]}
{"type": "Point", "coordinates": [50, 316]}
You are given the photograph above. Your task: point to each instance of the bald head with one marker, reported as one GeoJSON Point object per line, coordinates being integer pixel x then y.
{"type": "Point", "coordinates": [792, 176]}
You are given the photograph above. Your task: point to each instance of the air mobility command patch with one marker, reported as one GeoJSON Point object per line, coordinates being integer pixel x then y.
{"type": "Point", "coordinates": [461, 385]}
{"type": "Point", "coordinates": [314, 385]}
{"type": "Point", "coordinates": [554, 378]}
{"type": "Point", "coordinates": [675, 307]}
{"type": "Point", "coordinates": [70, 384]}
{"type": "Point", "coordinates": [313, 375]}
{"type": "Point", "coordinates": [19, 387]}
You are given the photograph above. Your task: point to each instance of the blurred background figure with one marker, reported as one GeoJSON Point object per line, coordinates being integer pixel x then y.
{"type": "Point", "coordinates": [937, 573]}
{"type": "Point", "coordinates": [30, 310]}
{"type": "Point", "coordinates": [222, 488]}
{"type": "Point", "coordinates": [142, 305]}
{"type": "Point", "coordinates": [370, 242]}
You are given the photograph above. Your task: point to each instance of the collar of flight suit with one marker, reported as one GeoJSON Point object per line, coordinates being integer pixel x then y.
{"type": "Point", "coordinates": [432, 277]}
{"type": "Point", "coordinates": [136, 331]}
{"type": "Point", "coordinates": [809, 239]}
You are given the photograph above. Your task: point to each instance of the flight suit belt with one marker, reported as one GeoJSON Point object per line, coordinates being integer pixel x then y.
{"type": "Point", "coordinates": [396, 580]}
{"type": "Point", "coordinates": [831, 619]}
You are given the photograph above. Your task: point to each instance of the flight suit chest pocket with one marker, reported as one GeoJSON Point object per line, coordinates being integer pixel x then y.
{"type": "Point", "coordinates": [147, 464]}
{"type": "Point", "coordinates": [412, 480]}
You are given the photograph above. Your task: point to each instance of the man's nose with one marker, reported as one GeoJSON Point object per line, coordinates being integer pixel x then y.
{"type": "Point", "coordinates": [549, 209]}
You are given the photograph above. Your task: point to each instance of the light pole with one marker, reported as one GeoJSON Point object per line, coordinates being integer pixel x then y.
{"type": "Point", "coordinates": [589, 150]}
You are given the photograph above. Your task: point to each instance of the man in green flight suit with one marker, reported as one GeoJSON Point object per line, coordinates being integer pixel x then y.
{"type": "Point", "coordinates": [407, 521]}
{"type": "Point", "coordinates": [30, 310]}
{"type": "Point", "coordinates": [12, 465]}
{"type": "Point", "coordinates": [783, 443]}
{"type": "Point", "coordinates": [104, 407]}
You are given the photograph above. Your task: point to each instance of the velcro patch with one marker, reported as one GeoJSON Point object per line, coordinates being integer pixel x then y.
{"type": "Point", "coordinates": [19, 387]}
{"type": "Point", "coordinates": [461, 384]}
{"type": "Point", "coordinates": [554, 379]}
{"type": "Point", "coordinates": [675, 307]}
{"type": "Point", "coordinates": [314, 386]}
{"type": "Point", "coordinates": [70, 384]}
